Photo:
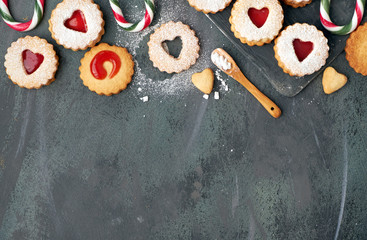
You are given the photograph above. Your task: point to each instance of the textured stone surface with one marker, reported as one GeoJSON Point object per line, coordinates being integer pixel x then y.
{"type": "Point", "coordinates": [75, 165]}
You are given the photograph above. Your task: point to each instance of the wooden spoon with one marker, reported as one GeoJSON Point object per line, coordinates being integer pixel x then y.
{"type": "Point", "coordinates": [233, 71]}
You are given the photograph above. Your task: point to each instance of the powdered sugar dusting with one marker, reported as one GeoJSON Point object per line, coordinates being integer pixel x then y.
{"type": "Point", "coordinates": [287, 55]}
{"type": "Point", "coordinates": [210, 5]}
{"type": "Point", "coordinates": [14, 62]}
{"type": "Point", "coordinates": [74, 39]}
{"type": "Point", "coordinates": [223, 82]}
{"type": "Point", "coordinates": [221, 61]}
{"type": "Point", "coordinates": [163, 60]}
{"type": "Point", "coordinates": [247, 29]}
{"type": "Point", "coordinates": [163, 86]}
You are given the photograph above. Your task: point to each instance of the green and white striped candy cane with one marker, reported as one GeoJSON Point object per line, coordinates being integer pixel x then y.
{"type": "Point", "coordinates": [19, 26]}
{"type": "Point", "coordinates": [133, 27]}
{"type": "Point", "coordinates": [346, 29]}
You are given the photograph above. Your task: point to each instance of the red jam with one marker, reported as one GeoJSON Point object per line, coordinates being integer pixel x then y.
{"type": "Point", "coordinates": [302, 49]}
{"type": "Point", "coordinates": [96, 66]}
{"type": "Point", "coordinates": [258, 17]}
{"type": "Point", "coordinates": [77, 22]}
{"type": "Point", "coordinates": [31, 61]}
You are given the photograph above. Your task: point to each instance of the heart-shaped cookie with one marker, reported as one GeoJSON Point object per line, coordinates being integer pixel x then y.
{"type": "Point", "coordinates": [258, 17]}
{"type": "Point", "coordinates": [31, 61]}
{"type": "Point", "coordinates": [332, 81]}
{"type": "Point", "coordinates": [204, 81]}
{"type": "Point", "coordinates": [77, 22]}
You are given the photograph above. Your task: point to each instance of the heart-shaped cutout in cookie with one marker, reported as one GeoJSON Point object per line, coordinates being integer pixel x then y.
{"type": "Point", "coordinates": [258, 17]}
{"type": "Point", "coordinates": [31, 61]}
{"type": "Point", "coordinates": [173, 47]}
{"type": "Point", "coordinates": [204, 81]}
{"type": "Point", "coordinates": [302, 49]}
{"type": "Point", "coordinates": [77, 22]}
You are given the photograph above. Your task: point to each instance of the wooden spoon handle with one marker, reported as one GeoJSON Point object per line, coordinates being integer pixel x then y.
{"type": "Point", "coordinates": [268, 104]}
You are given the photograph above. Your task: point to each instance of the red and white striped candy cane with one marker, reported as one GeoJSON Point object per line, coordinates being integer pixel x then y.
{"type": "Point", "coordinates": [19, 26]}
{"type": "Point", "coordinates": [133, 27]}
{"type": "Point", "coordinates": [346, 29]}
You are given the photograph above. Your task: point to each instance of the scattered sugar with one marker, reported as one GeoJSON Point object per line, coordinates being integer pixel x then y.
{"type": "Point", "coordinates": [145, 99]}
{"type": "Point", "coordinates": [216, 95]}
{"type": "Point", "coordinates": [220, 61]}
{"type": "Point", "coordinates": [223, 83]}
{"type": "Point", "coordinates": [176, 84]}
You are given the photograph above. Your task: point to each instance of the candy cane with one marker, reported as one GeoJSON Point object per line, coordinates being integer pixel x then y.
{"type": "Point", "coordinates": [19, 26]}
{"type": "Point", "coordinates": [133, 27]}
{"type": "Point", "coordinates": [346, 29]}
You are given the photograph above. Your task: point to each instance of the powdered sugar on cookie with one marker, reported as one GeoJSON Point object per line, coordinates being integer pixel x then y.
{"type": "Point", "coordinates": [211, 6]}
{"type": "Point", "coordinates": [43, 75]}
{"type": "Point", "coordinates": [243, 27]}
{"type": "Point", "coordinates": [287, 57]}
{"type": "Point", "coordinates": [72, 39]}
{"type": "Point", "coordinates": [162, 59]}
{"type": "Point", "coordinates": [164, 86]}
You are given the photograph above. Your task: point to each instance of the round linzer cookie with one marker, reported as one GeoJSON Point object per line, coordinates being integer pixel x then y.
{"type": "Point", "coordinates": [297, 3]}
{"type": "Point", "coordinates": [356, 50]}
{"type": "Point", "coordinates": [256, 22]}
{"type": "Point", "coordinates": [301, 49]}
{"type": "Point", "coordinates": [209, 6]}
{"type": "Point", "coordinates": [160, 56]}
{"type": "Point", "coordinates": [77, 24]}
{"type": "Point", "coordinates": [106, 69]}
{"type": "Point", "coordinates": [31, 62]}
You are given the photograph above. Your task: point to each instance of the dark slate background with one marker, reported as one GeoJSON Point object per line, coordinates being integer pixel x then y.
{"type": "Point", "coordinates": [75, 165]}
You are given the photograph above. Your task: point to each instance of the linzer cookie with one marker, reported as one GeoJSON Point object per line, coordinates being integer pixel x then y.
{"type": "Point", "coordinates": [297, 3]}
{"type": "Point", "coordinates": [301, 49]}
{"type": "Point", "coordinates": [356, 50]}
{"type": "Point", "coordinates": [160, 56]}
{"type": "Point", "coordinates": [256, 22]}
{"type": "Point", "coordinates": [77, 24]}
{"type": "Point", "coordinates": [209, 6]}
{"type": "Point", "coordinates": [31, 62]}
{"type": "Point", "coordinates": [106, 69]}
